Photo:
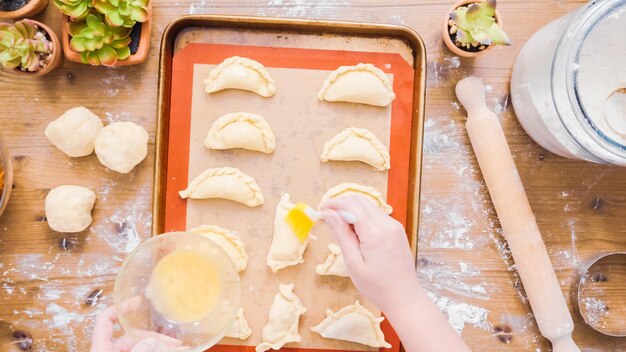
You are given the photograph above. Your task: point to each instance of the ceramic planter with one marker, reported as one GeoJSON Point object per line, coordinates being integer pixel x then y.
{"type": "Point", "coordinates": [57, 55]}
{"type": "Point", "coordinates": [32, 8]}
{"type": "Point", "coordinates": [446, 34]}
{"type": "Point", "coordinates": [135, 59]}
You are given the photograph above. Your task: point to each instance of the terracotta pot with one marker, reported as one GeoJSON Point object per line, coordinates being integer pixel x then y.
{"type": "Point", "coordinates": [32, 8]}
{"type": "Point", "coordinates": [446, 34]}
{"type": "Point", "coordinates": [135, 59]}
{"type": "Point", "coordinates": [57, 55]}
{"type": "Point", "coordinates": [7, 166]}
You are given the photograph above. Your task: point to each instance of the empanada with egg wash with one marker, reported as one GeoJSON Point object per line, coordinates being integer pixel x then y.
{"type": "Point", "coordinates": [357, 144]}
{"type": "Point", "coordinates": [286, 248]}
{"type": "Point", "coordinates": [243, 74]}
{"type": "Point", "coordinates": [226, 183]}
{"type": "Point", "coordinates": [241, 130]}
{"type": "Point", "coordinates": [362, 84]}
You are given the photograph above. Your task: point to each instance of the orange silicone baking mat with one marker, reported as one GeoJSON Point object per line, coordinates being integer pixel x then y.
{"type": "Point", "coordinates": [301, 126]}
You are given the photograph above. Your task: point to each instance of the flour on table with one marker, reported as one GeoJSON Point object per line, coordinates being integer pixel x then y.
{"type": "Point", "coordinates": [461, 314]}
{"type": "Point", "coordinates": [441, 276]}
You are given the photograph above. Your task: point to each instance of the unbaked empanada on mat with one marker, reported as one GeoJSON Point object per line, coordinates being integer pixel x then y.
{"type": "Point", "coordinates": [302, 124]}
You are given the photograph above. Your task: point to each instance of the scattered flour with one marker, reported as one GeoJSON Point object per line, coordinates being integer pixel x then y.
{"type": "Point", "coordinates": [62, 318]}
{"type": "Point", "coordinates": [441, 276]}
{"type": "Point", "coordinates": [460, 314]}
{"type": "Point", "coordinates": [595, 310]}
{"type": "Point", "coordinates": [323, 9]}
{"type": "Point", "coordinates": [454, 61]}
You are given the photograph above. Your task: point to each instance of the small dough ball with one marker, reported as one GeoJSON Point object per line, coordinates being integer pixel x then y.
{"type": "Point", "coordinates": [120, 146]}
{"type": "Point", "coordinates": [68, 208]}
{"type": "Point", "coordinates": [75, 131]}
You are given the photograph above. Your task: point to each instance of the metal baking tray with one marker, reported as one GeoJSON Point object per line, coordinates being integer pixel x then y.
{"type": "Point", "coordinates": [177, 35]}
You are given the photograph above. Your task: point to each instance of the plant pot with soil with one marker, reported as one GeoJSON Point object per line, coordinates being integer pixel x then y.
{"type": "Point", "coordinates": [29, 48]}
{"type": "Point", "coordinates": [473, 27]}
{"type": "Point", "coordinates": [106, 32]}
{"type": "Point", "coordinates": [12, 9]}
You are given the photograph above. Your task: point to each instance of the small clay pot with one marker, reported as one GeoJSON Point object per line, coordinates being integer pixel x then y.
{"type": "Point", "coordinates": [446, 34]}
{"type": "Point", "coordinates": [31, 9]}
{"type": "Point", "coordinates": [57, 55]}
{"type": "Point", "coordinates": [7, 167]}
{"type": "Point", "coordinates": [135, 59]}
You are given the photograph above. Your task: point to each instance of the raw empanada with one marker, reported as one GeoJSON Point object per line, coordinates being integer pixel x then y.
{"type": "Point", "coordinates": [240, 328]}
{"type": "Point", "coordinates": [227, 183]}
{"type": "Point", "coordinates": [347, 188]}
{"type": "Point", "coordinates": [357, 144]}
{"type": "Point", "coordinates": [286, 248]}
{"type": "Point", "coordinates": [353, 323]}
{"type": "Point", "coordinates": [283, 321]}
{"type": "Point", "coordinates": [240, 73]}
{"type": "Point", "coordinates": [363, 83]}
{"type": "Point", "coordinates": [334, 264]}
{"type": "Point", "coordinates": [228, 240]}
{"type": "Point", "coordinates": [241, 130]}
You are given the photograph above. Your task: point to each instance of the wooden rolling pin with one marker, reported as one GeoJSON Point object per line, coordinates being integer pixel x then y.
{"type": "Point", "coordinates": [518, 222]}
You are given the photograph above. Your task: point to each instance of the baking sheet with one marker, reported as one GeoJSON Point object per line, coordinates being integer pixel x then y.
{"type": "Point", "coordinates": [394, 49]}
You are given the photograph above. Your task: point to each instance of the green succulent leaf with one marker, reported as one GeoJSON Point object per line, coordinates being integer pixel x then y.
{"type": "Point", "coordinates": [123, 53]}
{"type": "Point", "coordinates": [476, 23]}
{"type": "Point", "coordinates": [497, 35]}
{"type": "Point", "coordinates": [74, 28]}
{"type": "Point", "coordinates": [107, 56]}
{"type": "Point", "coordinates": [76, 9]}
{"type": "Point", "coordinates": [30, 62]}
{"type": "Point", "coordinates": [9, 55]}
{"type": "Point", "coordinates": [121, 43]}
{"type": "Point", "coordinates": [92, 58]}
{"type": "Point", "coordinates": [11, 64]}
{"type": "Point", "coordinates": [140, 15]}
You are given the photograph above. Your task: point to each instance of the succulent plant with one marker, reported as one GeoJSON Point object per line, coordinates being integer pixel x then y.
{"type": "Point", "coordinates": [23, 46]}
{"type": "Point", "coordinates": [123, 12]}
{"type": "Point", "coordinates": [77, 10]}
{"type": "Point", "coordinates": [98, 43]}
{"type": "Point", "coordinates": [475, 25]}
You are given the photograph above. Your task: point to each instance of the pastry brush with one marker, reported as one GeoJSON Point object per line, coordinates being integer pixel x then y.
{"type": "Point", "coordinates": [302, 217]}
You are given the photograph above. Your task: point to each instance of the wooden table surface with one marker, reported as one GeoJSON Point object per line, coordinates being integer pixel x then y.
{"type": "Point", "coordinates": [46, 277]}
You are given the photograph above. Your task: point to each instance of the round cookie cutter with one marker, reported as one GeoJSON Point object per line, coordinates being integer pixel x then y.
{"type": "Point", "coordinates": [584, 274]}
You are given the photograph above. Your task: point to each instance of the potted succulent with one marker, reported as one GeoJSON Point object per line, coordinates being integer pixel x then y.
{"type": "Point", "coordinates": [472, 27]}
{"type": "Point", "coordinates": [29, 47]}
{"type": "Point", "coordinates": [106, 32]}
{"type": "Point", "coordinates": [12, 9]}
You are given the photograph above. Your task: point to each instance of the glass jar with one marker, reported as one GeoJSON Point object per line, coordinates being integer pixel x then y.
{"type": "Point", "coordinates": [569, 84]}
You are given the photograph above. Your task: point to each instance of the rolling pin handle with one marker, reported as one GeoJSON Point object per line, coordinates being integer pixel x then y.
{"type": "Point", "coordinates": [564, 344]}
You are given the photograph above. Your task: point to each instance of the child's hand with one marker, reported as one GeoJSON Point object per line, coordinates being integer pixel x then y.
{"type": "Point", "coordinates": [376, 251]}
{"type": "Point", "coordinates": [143, 341]}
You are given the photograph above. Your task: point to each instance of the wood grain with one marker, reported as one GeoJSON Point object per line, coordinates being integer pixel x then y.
{"type": "Point", "coordinates": [47, 276]}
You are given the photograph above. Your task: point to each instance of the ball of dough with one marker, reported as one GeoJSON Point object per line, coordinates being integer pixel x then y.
{"type": "Point", "coordinates": [75, 131]}
{"type": "Point", "coordinates": [120, 146]}
{"type": "Point", "coordinates": [68, 208]}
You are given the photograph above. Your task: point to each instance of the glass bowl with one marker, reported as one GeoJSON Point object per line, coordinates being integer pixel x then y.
{"type": "Point", "coordinates": [6, 174]}
{"type": "Point", "coordinates": [181, 285]}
